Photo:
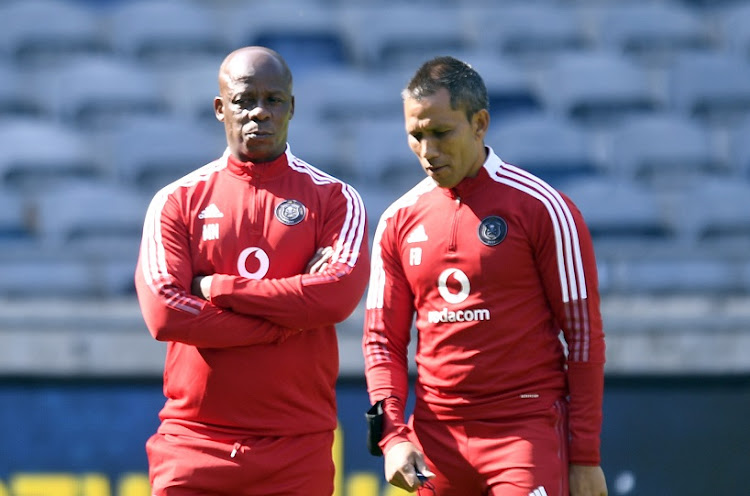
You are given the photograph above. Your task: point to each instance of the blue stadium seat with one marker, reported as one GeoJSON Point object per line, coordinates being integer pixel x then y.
{"type": "Point", "coordinates": [402, 35]}
{"type": "Point", "coordinates": [14, 217]}
{"type": "Point", "coordinates": [383, 154]}
{"type": "Point", "coordinates": [15, 98]}
{"type": "Point", "coordinates": [306, 34]}
{"type": "Point", "coordinates": [734, 28]}
{"type": "Point", "coordinates": [190, 88]}
{"type": "Point", "coordinates": [528, 32]}
{"type": "Point", "coordinates": [165, 32]}
{"type": "Point", "coordinates": [713, 86]}
{"type": "Point", "coordinates": [620, 212]}
{"type": "Point", "coordinates": [651, 31]}
{"type": "Point", "coordinates": [49, 32]}
{"type": "Point", "coordinates": [91, 217]}
{"type": "Point", "coordinates": [674, 274]}
{"type": "Point", "coordinates": [349, 95]}
{"type": "Point", "coordinates": [548, 146]}
{"type": "Point", "coordinates": [96, 92]}
{"type": "Point", "coordinates": [597, 87]}
{"type": "Point", "coordinates": [151, 152]}
{"type": "Point", "coordinates": [509, 85]}
{"type": "Point", "coordinates": [326, 145]}
{"type": "Point", "coordinates": [664, 149]}
{"type": "Point", "coordinates": [35, 152]}
{"type": "Point", "coordinates": [739, 149]}
{"type": "Point", "coordinates": [715, 212]}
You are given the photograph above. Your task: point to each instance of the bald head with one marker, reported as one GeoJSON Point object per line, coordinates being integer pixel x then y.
{"type": "Point", "coordinates": [255, 103]}
{"type": "Point", "coordinates": [246, 62]}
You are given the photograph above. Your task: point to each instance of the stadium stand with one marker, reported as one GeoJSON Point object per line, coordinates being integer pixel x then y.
{"type": "Point", "coordinates": [48, 32]}
{"type": "Point", "coordinates": [308, 34]}
{"type": "Point", "coordinates": [164, 32]}
{"type": "Point", "coordinates": [95, 92]}
{"type": "Point", "coordinates": [36, 152]}
{"type": "Point", "coordinates": [638, 109]}
{"type": "Point", "coordinates": [597, 87]}
{"type": "Point", "coordinates": [650, 32]}
{"type": "Point", "coordinates": [151, 152]}
{"type": "Point", "coordinates": [568, 151]}
{"type": "Point", "coordinates": [712, 86]}
{"type": "Point", "coordinates": [663, 148]}
{"type": "Point", "coordinates": [14, 98]}
{"type": "Point", "coordinates": [531, 33]}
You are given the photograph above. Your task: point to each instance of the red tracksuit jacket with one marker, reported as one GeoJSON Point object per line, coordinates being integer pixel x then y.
{"type": "Point", "coordinates": [494, 269]}
{"type": "Point", "coordinates": [262, 357]}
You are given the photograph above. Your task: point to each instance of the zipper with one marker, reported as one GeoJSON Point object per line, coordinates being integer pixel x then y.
{"type": "Point", "coordinates": [452, 243]}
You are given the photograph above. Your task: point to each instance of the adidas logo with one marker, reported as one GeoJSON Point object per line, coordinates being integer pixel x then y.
{"type": "Point", "coordinates": [539, 491]}
{"type": "Point", "coordinates": [418, 235]}
{"type": "Point", "coordinates": [211, 212]}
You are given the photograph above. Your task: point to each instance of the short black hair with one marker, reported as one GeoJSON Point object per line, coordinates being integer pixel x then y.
{"type": "Point", "coordinates": [465, 86]}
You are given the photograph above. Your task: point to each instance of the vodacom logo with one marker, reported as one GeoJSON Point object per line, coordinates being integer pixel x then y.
{"type": "Point", "coordinates": [443, 286]}
{"type": "Point", "coordinates": [263, 263]}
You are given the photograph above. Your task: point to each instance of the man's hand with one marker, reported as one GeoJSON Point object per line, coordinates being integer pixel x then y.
{"type": "Point", "coordinates": [319, 261]}
{"type": "Point", "coordinates": [587, 480]}
{"type": "Point", "coordinates": [402, 461]}
{"type": "Point", "coordinates": [201, 287]}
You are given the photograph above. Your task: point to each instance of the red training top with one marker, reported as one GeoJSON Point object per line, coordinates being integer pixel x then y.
{"type": "Point", "coordinates": [494, 269]}
{"type": "Point", "coordinates": [261, 358]}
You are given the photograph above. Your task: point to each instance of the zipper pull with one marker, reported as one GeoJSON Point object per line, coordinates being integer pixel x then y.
{"type": "Point", "coordinates": [235, 449]}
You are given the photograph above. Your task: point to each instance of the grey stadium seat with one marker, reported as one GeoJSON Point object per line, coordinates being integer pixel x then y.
{"type": "Point", "coordinates": [34, 152]}
{"type": "Point", "coordinates": [548, 146]}
{"type": "Point", "coordinates": [402, 35]}
{"type": "Point", "coordinates": [662, 148]}
{"type": "Point", "coordinates": [712, 86]}
{"type": "Point", "coordinates": [306, 34]}
{"type": "Point", "coordinates": [151, 152]}
{"type": "Point", "coordinates": [165, 32]}
{"type": "Point", "coordinates": [95, 92]}
{"type": "Point", "coordinates": [528, 32]}
{"type": "Point", "coordinates": [44, 32]}
{"type": "Point", "coordinates": [653, 32]}
{"type": "Point", "coordinates": [597, 87]}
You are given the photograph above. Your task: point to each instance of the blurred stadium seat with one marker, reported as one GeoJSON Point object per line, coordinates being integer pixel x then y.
{"type": "Point", "coordinates": [667, 149]}
{"type": "Point", "coordinates": [652, 32]}
{"type": "Point", "coordinates": [348, 95]}
{"type": "Point", "coordinates": [95, 92]}
{"type": "Point", "coordinates": [597, 87]}
{"type": "Point", "coordinates": [49, 32]}
{"type": "Point", "coordinates": [387, 159]}
{"type": "Point", "coordinates": [306, 34]}
{"type": "Point", "coordinates": [36, 152]}
{"type": "Point", "coordinates": [527, 32]}
{"type": "Point", "coordinates": [546, 145]}
{"type": "Point", "coordinates": [90, 217]}
{"type": "Point", "coordinates": [325, 145]}
{"type": "Point", "coordinates": [620, 214]}
{"type": "Point", "coordinates": [15, 99]}
{"type": "Point", "coordinates": [715, 212]}
{"type": "Point", "coordinates": [190, 88]}
{"type": "Point", "coordinates": [402, 35]}
{"type": "Point", "coordinates": [165, 32]}
{"type": "Point", "coordinates": [14, 217]}
{"type": "Point", "coordinates": [734, 28]}
{"type": "Point", "coordinates": [151, 152]}
{"type": "Point", "coordinates": [509, 87]}
{"type": "Point", "coordinates": [713, 86]}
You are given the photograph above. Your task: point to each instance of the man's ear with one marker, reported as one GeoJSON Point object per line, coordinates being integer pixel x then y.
{"type": "Point", "coordinates": [480, 121]}
{"type": "Point", "coordinates": [219, 109]}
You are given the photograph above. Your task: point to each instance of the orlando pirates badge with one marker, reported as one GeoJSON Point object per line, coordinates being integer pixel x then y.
{"type": "Point", "coordinates": [290, 212]}
{"type": "Point", "coordinates": [492, 230]}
